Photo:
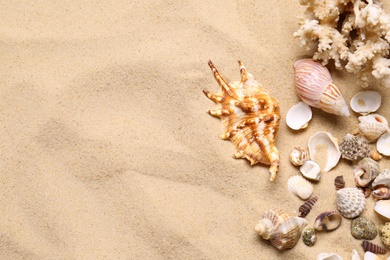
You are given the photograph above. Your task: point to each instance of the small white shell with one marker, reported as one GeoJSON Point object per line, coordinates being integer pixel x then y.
{"type": "Point", "coordinates": [371, 256]}
{"type": "Point", "coordinates": [300, 187]}
{"type": "Point", "coordinates": [298, 116]}
{"type": "Point", "coordinates": [382, 207]}
{"type": "Point", "coordinates": [329, 256]}
{"type": "Point", "coordinates": [355, 255]}
{"type": "Point", "coordinates": [311, 170]}
{"type": "Point", "coordinates": [324, 149]}
{"type": "Point", "coordinates": [350, 202]}
{"type": "Point", "coordinates": [383, 144]}
{"type": "Point", "coordinates": [366, 102]}
{"type": "Point", "coordinates": [298, 156]}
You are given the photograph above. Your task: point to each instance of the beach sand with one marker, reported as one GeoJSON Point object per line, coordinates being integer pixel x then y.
{"type": "Point", "coordinates": [106, 148]}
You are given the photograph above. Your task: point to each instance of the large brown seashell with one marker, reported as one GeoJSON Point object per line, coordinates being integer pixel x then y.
{"type": "Point", "coordinates": [315, 87]}
{"type": "Point", "coordinates": [368, 246]}
{"type": "Point", "coordinates": [250, 118]}
{"type": "Point", "coordinates": [305, 208]}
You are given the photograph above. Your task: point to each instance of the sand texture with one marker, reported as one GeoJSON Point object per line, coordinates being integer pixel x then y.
{"type": "Point", "coordinates": [106, 148]}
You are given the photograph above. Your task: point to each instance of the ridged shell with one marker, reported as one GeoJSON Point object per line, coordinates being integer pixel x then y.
{"type": "Point", "coordinates": [383, 144]}
{"type": "Point", "coordinates": [300, 187]}
{"type": "Point", "coordinates": [368, 246]}
{"type": "Point", "coordinates": [366, 102]}
{"type": "Point", "coordinates": [327, 221]}
{"type": "Point", "coordinates": [354, 148]}
{"type": "Point", "coordinates": [339, 182]}
{"type": "Point", "coordinates": [298, 156]}
{"type": "Point", "coordinates": [350, 202]}
{"type": "Point", "coordinates": [315, 87]}
{"type": "Point", "coordinates": [309, 236]}
{"type": "Point", "coordinates": [365, 172]}
{"type": "Point", "coordinates": [382, 207]}
{"type": "Point", "coordinates": [363, 228]}
{"type": "Point", "coordinates": [306, 207]}
{"type": "Point", "coordinates": [250, 118]}
{"type": "Point", "coordinates": [329, 256]}
{"type": "Point", "coordinates": [281, 229]}
{"type": "Point", "coordinates": [298, 116]}
{"type": "Point", "coordinates": [372, 126]}
{"type": "Point", "coordinates": [384, 233]}
{"type": "Point", "coordinates": [324, 149]}
{"type": "Point", "coordinates": [311, 170]}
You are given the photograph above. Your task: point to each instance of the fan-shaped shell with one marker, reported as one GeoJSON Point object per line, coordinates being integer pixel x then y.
{"type": "Point", "coordinates": [350, 202]}
{"type": "Point", "coordinates": [298, 156]}
{"type": "Point", "coordinates": [298, 116]}
{"type": "Point", "coordinates": [324, 149]}
{"type": "Point", "coordinates": [366, 102]}
{"type": "Point", "coordinates": [365, 172]}
{"type": "Point", "coordinates": [315, 87]}
{"type": "Point", "coordinates": [250, 118]}
{"type": "Point", "coordinates": [383, 144]}
{"type": "Point", "coordinates": [281, 229]}
{"type": "Point", "coordinates": [300, 187]}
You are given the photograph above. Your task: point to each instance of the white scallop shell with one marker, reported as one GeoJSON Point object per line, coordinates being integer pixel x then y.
{"type": "Point", "coordinates": [324, 149]}
{"type": "Point", "coordinates": [300, 187]}
{"type": "Point", "coordinates": [382, 207]}
{"type": "Point", "coordinates": [366, 102]}
{"type": "Point", "coordinates": [311, 170]}
{"type": "Point", "coordinates": [298, 116]}
{"type": "Point", "coordinates": [350, 202]}
{"type": "Point", "coordinates": [329, 256]}
{"type": "Point", "coordinates": [383, 144]}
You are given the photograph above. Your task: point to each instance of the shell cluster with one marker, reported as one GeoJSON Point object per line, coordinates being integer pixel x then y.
{"type": "Point", "coordinates": [250, 118]}
{"type": "Point", "coordinates": [350, 202]}
{"type": "Point", "coordinates": [281, 229]}
{"type": "Point", "coordinates": [354, 148]}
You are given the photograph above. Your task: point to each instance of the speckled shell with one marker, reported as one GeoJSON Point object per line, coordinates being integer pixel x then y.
{"type": "Point", "coordinates": [250, 118]}
{"type": "Point", "coordinates": [365, 172]}
{"type": "Point", "coordinates": [384, 233]}
{"type": "Point", "coordinates": [315, 87]}
{"type": "Point", "coordinates": [354, 148]}
{"type": "Point", "coordinates": [300, 187]}
{"type": "Point", "coordinates": [368, 246]}
{"type": "Point", "coordinates": [281, 229]}
{"type": "Point", "coordinates": [350, 202]}
{"type": "Point", "coordinates": [363, 228]}
{"type": "Point", "coordinates": [309, 236]}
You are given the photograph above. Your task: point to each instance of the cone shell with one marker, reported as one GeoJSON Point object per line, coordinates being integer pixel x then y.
{"type": "Point", "coordinates": [281, 229]}
{"type": "Point", "coordinates": [324, 149]}
{"type": "Point", "coordinates": [350, 202]}
{"type": "Point", "coordinates": [250, 118]}
{"type": "Point", "coordinates": [300, 187]}
{"type": "Point", "coordinates": [368, 246]}
{"type": "Point", "coordinates": [314, 86]}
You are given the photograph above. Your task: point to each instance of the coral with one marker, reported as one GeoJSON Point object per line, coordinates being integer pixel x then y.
{"type": "Point", "coordinates": [355, 34]}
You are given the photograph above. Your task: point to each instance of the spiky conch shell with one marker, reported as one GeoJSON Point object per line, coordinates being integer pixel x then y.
{"type": "Point", "coordinates": [281, 229]}
{"type": "Point", "coordinates": [250, 118]}
{"type": "Point", "coordinates": [316, 88]}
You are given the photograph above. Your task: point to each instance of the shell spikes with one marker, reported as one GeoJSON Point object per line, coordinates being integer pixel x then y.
{"type": "Point", "coordinates": [250, 118]}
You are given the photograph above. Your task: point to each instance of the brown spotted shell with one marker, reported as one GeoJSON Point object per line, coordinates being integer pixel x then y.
{"type": "Point", "coordinates": [250, 118]}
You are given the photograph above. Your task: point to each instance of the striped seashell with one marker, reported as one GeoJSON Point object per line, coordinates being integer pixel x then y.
{"type": "Point", "coordinates": [281, 229]}
{"type": "Point", "coordinates": [368, 246]}
{"type": "Point", "coordinates": [300, 187]}
{"type": "Point", "coordinates": [339, 182]}
{"type": "Point", "coordinates": [315, 87]}
{"type": "Point", "coordinates": [350, 202]}
{"type": "Point", "coordinates": [327, 221]}
{"type": "Point", "coordinates": [250, 118]}
{"type": "Point", "coordinates": [306, 207]}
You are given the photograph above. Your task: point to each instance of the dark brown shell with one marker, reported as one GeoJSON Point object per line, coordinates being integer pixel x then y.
{"type": "Point", "coordinates": [305, 208]}
{"type": "Point", "coordinates": [368, 246]}
{"type": "Point", "coordinates": [339, 182]}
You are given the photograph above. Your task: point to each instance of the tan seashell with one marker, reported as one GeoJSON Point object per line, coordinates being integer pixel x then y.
{"type": "Point", "coordinates": [329, 256]}
{"type": "Point", "coordinates": [298, 156]}
{"type": "Point", "coordinates": [354, 148]}
{"type": "Point", "coordinates": [327, 221]}
{"type": "Point", "coordinates": [339, 182]}
{"type": "Point", "coordinates": [281, 229]}
{"type": "Point", "coordinates": [375, 155]}
{"type": "Point", "coordinates": [365, 172]}
{"type": "Point", "coordinates": [324, 149]}
{"type": "Point", "coordinates": [382, 207]}
{"type": "Point", "coordinates": [372, 126]}
{"type": "Point", "coordinates": [250, 118]}
{"type": "Point", "coordinates": [305, 208]}
{"type": "Point", "coordinates": [300, 187]}
{"type": "Point", "coordinates": [366, 102]}
{"type": "Point", "coordinates": [311, 170]}
{"type": "Point", "coordinates": [368, 246]}
{"type": "Point", "coordinates": [315, 87]}
{"type": "Point", "coordinates": [298, 116]}
{"type": "Point", "coordinates": [350, 202]}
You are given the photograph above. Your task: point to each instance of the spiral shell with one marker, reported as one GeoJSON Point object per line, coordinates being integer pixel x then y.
{"type": "Point", "coordinates": [339, 182]}
{"type": "Point", "coordinates": [368, 246]}
{"type": "Point", "coordinates": [354, 148]}
{"type": "Point", "coordinates": [281, 229]}
{"type": "Point", "coordinates": [298, 156]}
{"type": "Point", "coordinates": [300, 187]}
{"type": "Point", "coordinates": [250, 118]}
{"type": "Point", "coordinates": [350, 202]}
{"type": "Point", "coordinates": [315, 87]}
{"type": "Point", "coordinates": [365, 172]}
{"type": "Point", "coordinates": [305, 208]}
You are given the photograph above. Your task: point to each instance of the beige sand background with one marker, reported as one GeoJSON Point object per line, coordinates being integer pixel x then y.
{"type": "Point", "coordinates": [106, 149]}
